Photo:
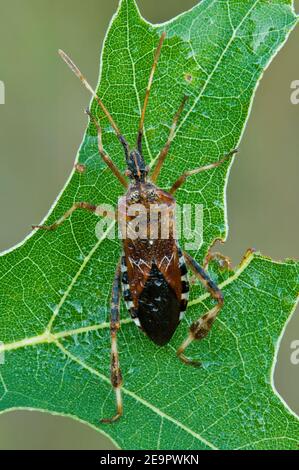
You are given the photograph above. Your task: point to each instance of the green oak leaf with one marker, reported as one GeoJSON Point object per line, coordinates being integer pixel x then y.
{"type": "Point", "coordinates": [55, 286]}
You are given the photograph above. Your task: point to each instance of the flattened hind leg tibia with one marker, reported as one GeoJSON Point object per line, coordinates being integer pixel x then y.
{"type": "Point", "coordinates": [201, 327]}
{"type": "Point", "coordinates": [223, 261]}
{"type": "Point", "coordinates": [116, 376]}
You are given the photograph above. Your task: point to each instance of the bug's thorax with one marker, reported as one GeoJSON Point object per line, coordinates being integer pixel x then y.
{"type": "Point", "coordinates": [154, 211]}
{"type": "Point", "coordinates": [148, 194]}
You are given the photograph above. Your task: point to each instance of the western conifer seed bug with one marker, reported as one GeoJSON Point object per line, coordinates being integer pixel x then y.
{"type": "Point", "coordinates": [152, 273]}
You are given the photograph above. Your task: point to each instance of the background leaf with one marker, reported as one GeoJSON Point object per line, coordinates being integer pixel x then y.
{"type": "Point", "coordinates": [65, 277]}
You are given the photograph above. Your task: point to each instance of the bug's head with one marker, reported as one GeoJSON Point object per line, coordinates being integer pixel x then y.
{"type": "Point", "coordinates": [137, 169]}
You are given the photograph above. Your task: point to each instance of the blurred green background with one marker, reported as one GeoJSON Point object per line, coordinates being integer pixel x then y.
{"type": "Point", "coordinates": [41, 127]}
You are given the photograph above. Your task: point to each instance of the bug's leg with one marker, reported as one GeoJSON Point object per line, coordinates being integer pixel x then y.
{"type": "Point", "coordinates": [201, 327]}
{"type": "Point", "coordinates": [224, 261]}
{"type": "Point", "coordinates": [181, 180]}
{"type": "Point", "coordinates": [104, 155]}
{"type": "Point", "coordinates": [116, 377]}
{"type": "Point", "coordinates": [147, 93]}
{"type": "Point", "coordinates": [163, 154]}
{"type": "Point", "coordinates": [77, 205]}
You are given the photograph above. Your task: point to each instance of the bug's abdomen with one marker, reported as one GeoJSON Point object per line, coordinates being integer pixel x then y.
{"type": "Point", "coordinates": [161, 303]}
{"type": "Point", "coordinates": [158, 308]}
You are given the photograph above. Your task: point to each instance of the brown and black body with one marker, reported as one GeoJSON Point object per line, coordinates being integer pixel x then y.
{"type": "Point", "coordinates": [152, 272]}
{"type": "Point", "coordinates": [154, 275]}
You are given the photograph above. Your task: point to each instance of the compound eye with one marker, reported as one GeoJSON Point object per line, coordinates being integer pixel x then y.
{"type": "Point", "coordinates": [151, 195]}
{"type": "Point", "coordinates": [134, 197]}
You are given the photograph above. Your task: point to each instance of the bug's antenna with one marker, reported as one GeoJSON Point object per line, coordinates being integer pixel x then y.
{"type": "Point", "coordinates": [163, 154]}
{"type": "Point", "coordinates": [103, 154]}
{"type": "Point", "coordinates": [147, 93]}
{"type": "Point", "coordinates": [81, 77]}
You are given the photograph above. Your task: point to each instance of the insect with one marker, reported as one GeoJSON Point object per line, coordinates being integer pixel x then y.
{"type": "Point", "coordinates": [152, 272]}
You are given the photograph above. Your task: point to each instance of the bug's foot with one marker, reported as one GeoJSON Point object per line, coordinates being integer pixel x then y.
{"type": "Point", "coordinates": [111, 420]}
{"type": "Point", "coordinates": [231, 153]}
{"type": "Point", "coordinates": [223, 261]}
{"type": "Point", "coordinates": [189, 362]}
{"type": "Point", "coordinates": [181, 355]}
{"type": "Point", "coordinates": [43, 227]}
